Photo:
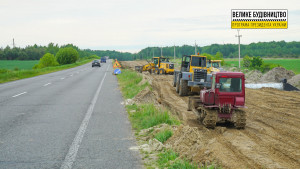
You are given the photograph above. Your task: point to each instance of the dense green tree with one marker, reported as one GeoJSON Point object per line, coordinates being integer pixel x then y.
{"type": "Point", "coordinates": [67, 55]}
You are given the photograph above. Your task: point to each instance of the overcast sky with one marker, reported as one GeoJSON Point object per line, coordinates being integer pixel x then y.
{"type": "Point", "coordinates": [131, 25]}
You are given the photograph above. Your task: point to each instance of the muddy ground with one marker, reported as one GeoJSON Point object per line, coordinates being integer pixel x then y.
{"type": "Point", "coordinates": [271, 138]}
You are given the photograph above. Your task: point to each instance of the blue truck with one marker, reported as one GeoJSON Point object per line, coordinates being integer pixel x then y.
{"type": "Point", "coordinates": [103, 60]}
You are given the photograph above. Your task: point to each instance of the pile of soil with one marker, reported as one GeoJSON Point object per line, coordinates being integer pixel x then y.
{"type": "Point", "coordinates": [295, 81]}
{"type": "Point", "coordinates": [276, 74]}
{"type": "Point", "coordinates": [253, 76]}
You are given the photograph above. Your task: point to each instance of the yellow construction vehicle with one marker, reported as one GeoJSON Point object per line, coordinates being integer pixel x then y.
{"type": "Point", "coordinates": [163, 66]}
{"type": "Point", "coordinates": [159, 65]}
{"type": "Point", "coordinates": [213, 66]}
{"type": "Point", "coordinates": [192, 76]}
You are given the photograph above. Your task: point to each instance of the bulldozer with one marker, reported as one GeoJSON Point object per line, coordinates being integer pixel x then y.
{"type": "Point", "coordinates": [159, 65]}
{"type": "Point", "coordinates": [214, 66]}
{"type": "Point", "coordinates": [192, 76]}
{"type": "Point", "coordinates": [222, 101]}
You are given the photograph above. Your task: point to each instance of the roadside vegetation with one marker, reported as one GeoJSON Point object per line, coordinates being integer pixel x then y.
{"type": "Point", "coordinates": [129, 82]}
{"type": "Point", "coordinates": [266, 64]}
{"type": "Point", "coordinates": [144, 116]}
{"type": "Point", "coordinates": [147, 120]}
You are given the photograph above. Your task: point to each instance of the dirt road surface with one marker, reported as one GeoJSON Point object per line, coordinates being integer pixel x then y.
{"type": "Point", "coordinates": [271, 138]}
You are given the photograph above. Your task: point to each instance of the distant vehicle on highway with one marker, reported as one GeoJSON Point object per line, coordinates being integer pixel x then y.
{"type": "Point", "coordinates": [96, 63]}
{"type": "Point", "coordinates": [103, 60]}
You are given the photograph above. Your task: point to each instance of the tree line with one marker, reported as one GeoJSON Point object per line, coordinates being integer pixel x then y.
{"type": "Point", "coordinates": [36, 52]}
{"type": "Point", "coordinates": [273, 49]}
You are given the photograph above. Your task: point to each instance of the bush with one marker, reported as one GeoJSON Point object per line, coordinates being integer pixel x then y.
{"type": "Point", "coordinates": [67, 55]}
{"type": "Point", "coordinates": [47, 60]}
{"type": "Point", "coordinates": [247, 61]}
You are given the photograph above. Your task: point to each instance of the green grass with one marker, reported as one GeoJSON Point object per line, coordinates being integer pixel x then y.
{"type": "Point", "coordinates": [18, 64]}
{"type": "Point", "coordinates": [163, 136]}
{"type": "Point", "coordinates": [147, 115]}
{"type": "Point", "coordinates": [129, 82]}
{"type": "Point", "coordinates": [11, 75]}
{"type": "Point", "coordinates": [169, 159]}
{"type": "Point", "coordinates": [289, 64]}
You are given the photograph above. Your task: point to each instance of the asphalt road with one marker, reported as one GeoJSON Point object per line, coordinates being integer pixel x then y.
{"type": "Point", "coordinates": [68, 119]}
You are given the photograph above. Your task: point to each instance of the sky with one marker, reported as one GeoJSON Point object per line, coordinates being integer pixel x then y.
{"type": "Point", "coordinates": [131, 25]}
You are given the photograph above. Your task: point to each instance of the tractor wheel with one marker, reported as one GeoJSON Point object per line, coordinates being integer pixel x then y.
{"type": "Point", "coordinates": [161, 71]}
{"type": "Point", "coordinates": [183, 89]}
{"type": "Point", "coordinates": [156, 71]}
{"type": "Point", "coordinates": [177, 84]}
{"type": "Point", "coordinates": [174, 82]}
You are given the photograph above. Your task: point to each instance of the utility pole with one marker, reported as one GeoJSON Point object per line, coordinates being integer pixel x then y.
{"type": "Point", "coordinates": [160, 51]}
{"type": "Point", "coordinates": [195, 49]}
{"type": "Point", "coordinates": [174, 52]}
{"type": "Point", "coordinates": [239, 36]}
{"type": "Point", "coordinates": [153, 51]}
{"type": "Point", "coordinates": [14, 45]}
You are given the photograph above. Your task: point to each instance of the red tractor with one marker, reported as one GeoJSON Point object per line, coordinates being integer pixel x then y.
{"type": "Point", "coordinates": [223, 101]}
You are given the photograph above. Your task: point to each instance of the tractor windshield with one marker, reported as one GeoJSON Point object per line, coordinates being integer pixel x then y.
{"type": "Point", "coordinates": [230, 84]}
{"type": "Point", "coordinates": [155, 61]}
{"type": "Point", "coordinates": [198, 61]}
{"type": "Point", "coordinates": [215, 64]}
{"type": "Point", "coordinates": [208, 64]}
{"type": "Point", "coordinates": [165, 59]}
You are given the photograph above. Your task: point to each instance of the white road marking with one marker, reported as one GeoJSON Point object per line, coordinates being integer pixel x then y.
{"type": "Point", "coordinates": [62, 78]}
{"type": "Point", "coordinates": [47, 84]}
{"type": "Point", "coordinates": [71, 75]}
{"type": "Point", "coordinates": [19, 94]}
{"type": "Point", "coordinates": [72, 153]}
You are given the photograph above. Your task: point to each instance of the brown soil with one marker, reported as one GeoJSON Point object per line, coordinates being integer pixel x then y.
{"type": "Point", "coordinates": [271, 138]}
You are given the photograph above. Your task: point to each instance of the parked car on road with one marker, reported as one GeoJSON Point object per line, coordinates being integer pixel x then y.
{"type": "Point", "coordinates": [96, 63]}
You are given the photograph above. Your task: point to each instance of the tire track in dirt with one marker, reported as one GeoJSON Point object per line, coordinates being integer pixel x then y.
{"type": "Point", "coordinates": [271, 138]}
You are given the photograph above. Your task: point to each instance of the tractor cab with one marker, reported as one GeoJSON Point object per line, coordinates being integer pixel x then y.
{"type": "Point", "coordinates": [213, 66]}
{"type": "Point", "coordinates": [191, 62]}
{"type": "Point", "coordinates": [227, 89]}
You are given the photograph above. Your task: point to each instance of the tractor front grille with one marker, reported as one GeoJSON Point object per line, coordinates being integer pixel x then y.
{"type": "Point", "coordinates": [200, 74]}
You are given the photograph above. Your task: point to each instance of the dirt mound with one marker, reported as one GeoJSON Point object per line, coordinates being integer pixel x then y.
{"type": "Point", "coordinates": [253, 76]}
{"type": "Point", "coordinates": [276, 74]}
{"type": "Point", "coordinates": [295, 81]}
{"type": "Point", "coordinates": [145, 96]}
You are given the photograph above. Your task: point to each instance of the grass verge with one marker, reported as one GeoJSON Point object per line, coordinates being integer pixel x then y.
{"type": "Point", "coordinates": [8, 75]}
{"type": "Point", "coordinates": [169, 159]}
{"type": "Point", "coordinates": [129, 82]}
{"type": "Point", "coordinates": [147, 115]}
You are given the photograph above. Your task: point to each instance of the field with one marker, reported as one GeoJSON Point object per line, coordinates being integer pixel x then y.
{"type": "Point", "coordinates": [289, 64]}
{"type": "Point", "coordinates": [12, 64]}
